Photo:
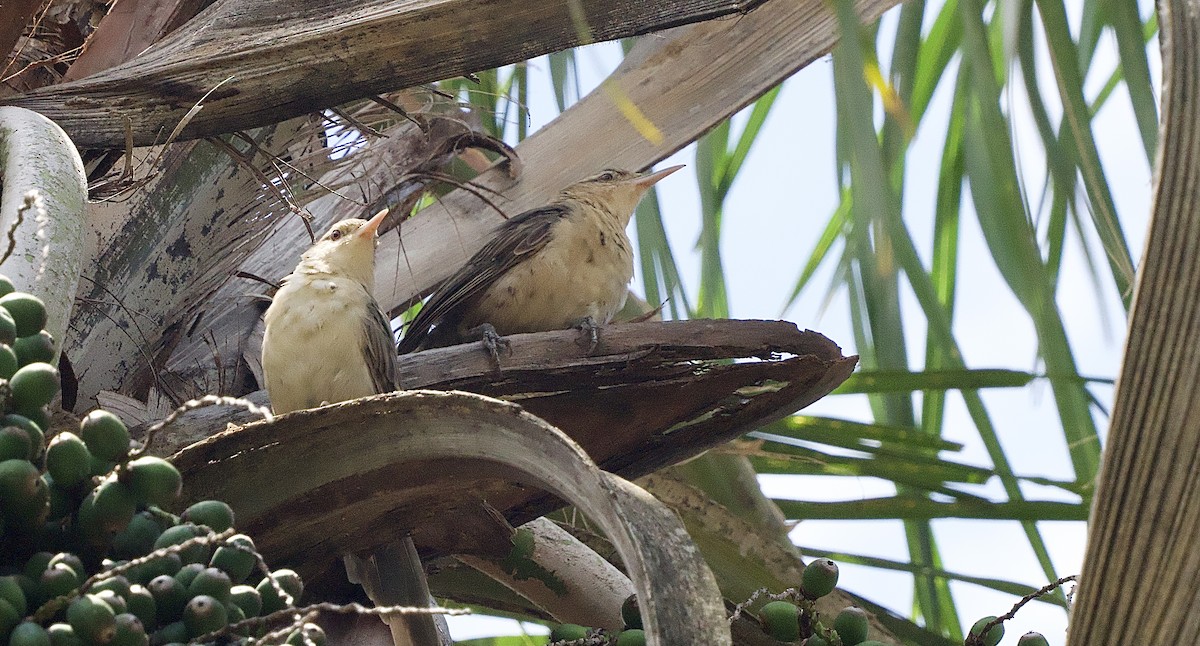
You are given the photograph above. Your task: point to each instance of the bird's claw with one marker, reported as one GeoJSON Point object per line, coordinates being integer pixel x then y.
{"type": "Point", "coordinates": [591, 333]}
{"type": "Point", "coordinates": [491, 341]}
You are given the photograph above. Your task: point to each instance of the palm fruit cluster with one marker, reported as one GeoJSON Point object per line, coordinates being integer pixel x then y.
{"type": "Point", "coordinates": [89, 553]}
{"type": "Point", "coordinates": [799, 623]}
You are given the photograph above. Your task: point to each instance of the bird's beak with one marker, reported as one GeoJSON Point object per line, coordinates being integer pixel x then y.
{"type": "Point", "coordinates": [646, 181]}
{"type": "Point", "coordinates": [368, 230]}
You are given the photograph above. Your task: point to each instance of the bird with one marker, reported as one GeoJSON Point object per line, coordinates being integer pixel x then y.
{"type": "Point", "coordinates": [563, 265]}
{"type": "Point", "coordinates": [327, 341]}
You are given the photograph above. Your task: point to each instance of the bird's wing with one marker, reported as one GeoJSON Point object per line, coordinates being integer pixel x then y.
{"type": "Point", "coordinates": [516, 239]}
{"type": "Point", "coordinates": [379, 348]}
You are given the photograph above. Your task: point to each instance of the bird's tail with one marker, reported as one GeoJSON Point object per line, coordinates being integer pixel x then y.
{"type": "Point", "coordinates": [392, 576]}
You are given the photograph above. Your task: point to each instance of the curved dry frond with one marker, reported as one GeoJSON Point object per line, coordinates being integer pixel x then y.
{"type": "Point", "coordinates": [41, 211]}
{"type": "Point", "coordinates": [431, 463]}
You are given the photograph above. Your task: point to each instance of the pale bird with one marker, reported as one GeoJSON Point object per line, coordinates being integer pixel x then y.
{"type": "Point", "coordinates": [566, 264]}
{"type": "Point", "coordinates": [326, 341]}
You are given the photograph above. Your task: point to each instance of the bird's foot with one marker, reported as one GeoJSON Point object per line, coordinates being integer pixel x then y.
{"type": "Point", "coordinates": [591, 333]}
{"type": "Point", "coordinates": [491, 341]}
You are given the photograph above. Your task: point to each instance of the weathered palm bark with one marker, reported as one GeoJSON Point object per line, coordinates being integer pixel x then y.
{"type": "Point", "coordinates": [253, 62]}
{"type": "Point", "coordinates": [1142, 566]}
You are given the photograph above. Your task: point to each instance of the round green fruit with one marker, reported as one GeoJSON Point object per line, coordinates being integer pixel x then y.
{"type": "Point", "coordinates": [92, 619]}
{"type": "Point", "coordinates": [816, 640]}
{"type": "Point", "coordinates": [9, 361]}
{"type": "Point", "coordinates": [781, 620]}
{"type": "Point", "coordinates": [211, 582]}
{"type": "Point", "coordinates": [236, 558]}
{"type": "Point", "coordinates": [39, 416]}
{"type": "Point", "coordinates": [34, 385]}
{"type": "Point", "coordinates": [116, 503]}
{"type": "Point", "coordinates": [214, 514]}
{"type": "Point", "coordinates": [6, 286]}
{"type": "Point", "coordinates": [172, 633]}
{"type": "Point", "coordinates": [34, 430]}
{"type": "Point", "coordinates": [19, 479]}
{"type": "Point", "coordinates": [169, 598]}
{"type": "Point", "coordinates": [24, 496]}
{"type": "Point", "coordinates": [105, 435]}
{"type": "Point", "coordinates": [1032, 639]}
{"type": "Point", "coordinates": [179, 534]}
{"type": "Point", "coordinates": [70, 560]}
{"type": "Point", "coordinates": [59, 580]}
{"type": "Point", "coordinates": [37, 563]}
{"type": "Point", "coordinates": [851, 625]}
{"type": "Point", "coordinates": [188, 573]}
{"type": "Point", "coordinates": [141, 604]}
{"type": "Point", "coordinates": [29, 586]}
{"type": "Point", "coordinates": [106, 512]}
{"type": "Point", "coordinates": [994, 634]}
{"type": "Point", "coordinates": [29, 634]}
{"type": "Point", "coordinates": [27, 311]}
{"type": "Point", "coordinates": [34, 348]}
{"type": "Point", "coordinates": [235, 612]}
{"type": "Point", "coordinates": [167, 565]}
{"type": "Point", "coordinates": [568, 632]}
{"type": "Point", "coordinates": [68, 459]}
{"type": "Point", "coordinates": [154, 480]}
{"type": "Point", "coordinates": [819, 579]}
{"type": "Point", "coordinates": [114, 601]}
{"type": "Point", "coordinates": [288, 580]}
{"type": "Point", "coordinates": [204, 614]}
{"type": "Point", "coordinates": [10, 591]}
{"type": "Point", "coordinates": [63, 635]}
{"type": "Point", "coordinates": [129, 632]}
{"type": "Point", "coordinates": [634, 637]}
{"type": "Point", "coordinates": [9, 618]}
{"type": "Point", "coordinates": [118, 584]}
{"type": "Point", "coordinates": [137, 539]}
{"type": "Point", "coordinates": [15, 444]}
{"type": "Point", "coordinates": [246, 598]}
{"type": "Point", "coordinates": [8, 327]}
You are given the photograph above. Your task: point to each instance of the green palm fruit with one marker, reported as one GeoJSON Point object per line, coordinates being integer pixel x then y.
{"type": "Point", "coordinates": [781, 620]}
{"type": "Point", "coordinates": [105, 435]}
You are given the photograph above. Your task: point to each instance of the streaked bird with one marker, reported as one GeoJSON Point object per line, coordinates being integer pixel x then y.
{"type": "Point", "coordinates": [326, 341]}
{"type": "Point", "coordinates": [566, 264]}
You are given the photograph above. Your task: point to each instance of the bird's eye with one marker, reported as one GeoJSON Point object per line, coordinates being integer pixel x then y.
{"type": "Point", "coordinates": [607, 176]}
{"type": "Point", "coordinates": [335, 235]}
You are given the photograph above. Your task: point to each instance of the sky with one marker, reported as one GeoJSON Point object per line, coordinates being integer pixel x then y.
{"type": "Point", "coordinates": [768, 234]}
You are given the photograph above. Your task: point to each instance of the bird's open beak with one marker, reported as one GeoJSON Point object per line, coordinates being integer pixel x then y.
{"type": "Point", "coordinates": [368, 230]}
{"type": "Point", "coordinates": [646, 181]}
